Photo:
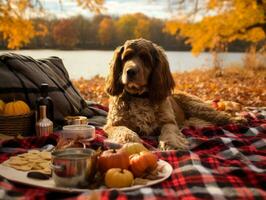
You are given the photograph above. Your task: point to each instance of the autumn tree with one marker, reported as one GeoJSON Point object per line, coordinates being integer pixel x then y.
{"type": "Point", "coordinates": [45, 40]}
{"type": "Point", "coordinates": [133, 26]}
{"type": "Point", "coordinates": [65, 34]}
{"type": "Point", "coordinates": [106, 31]}
{"type": "Point", "coordinates": [163, 38]}
{"type": "Point", "coordinates": [100, 32]}
{"type": "Point", "coordinates": [15, 25]}
{"type": "Point", "coordinates": [84, 28]}
{"type": "Point", "coordinates": [143, 27]}
{"type": "Point", "coordinates": [15, 19]}
{"type": "Point", "coordinates": [125, 27]}
{"type": "Point", "coordinates": [211, 24]}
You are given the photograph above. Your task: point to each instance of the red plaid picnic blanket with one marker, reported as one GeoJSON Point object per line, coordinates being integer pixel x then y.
{"type": "Point", "coordinates": [226, 162]}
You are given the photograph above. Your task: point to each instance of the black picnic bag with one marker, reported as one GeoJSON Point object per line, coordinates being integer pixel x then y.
{"type": "Point", "coordinates": [21, 78]}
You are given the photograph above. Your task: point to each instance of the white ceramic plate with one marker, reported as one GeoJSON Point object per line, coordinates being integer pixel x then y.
{"type": "Point", "coordinates": [21, 177]}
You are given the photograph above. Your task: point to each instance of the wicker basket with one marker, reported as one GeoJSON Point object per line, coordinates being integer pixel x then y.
{"type": "Point", "coordinates": [17, 125]}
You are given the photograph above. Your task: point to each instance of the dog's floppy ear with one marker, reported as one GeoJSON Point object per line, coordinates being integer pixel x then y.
{"type": "Point", "coordinates": [113, 82]}
{"type": "Point", "coordinates": [161, 82]}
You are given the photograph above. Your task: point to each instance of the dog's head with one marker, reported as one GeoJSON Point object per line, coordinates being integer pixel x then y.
{"type": "Point", "coordinates": [140, 66]}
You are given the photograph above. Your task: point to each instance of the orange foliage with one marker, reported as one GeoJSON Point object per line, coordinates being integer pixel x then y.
{"type": "Point", "coordinates": [65, 33]}
{"type": "Point", "coordinates": [106, 31]}
{"type": "Point", "coordinates": [241, 85]}
{"type": "Point", "coordinates": [92, 89]}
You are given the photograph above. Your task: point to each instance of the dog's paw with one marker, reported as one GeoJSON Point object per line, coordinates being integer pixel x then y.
{"type": "Point", "coordinates": [123, 135]}
{"type": "Point", "coordinates": [131, 136]}
{"type": "Point", "coordinates": [174, 142]}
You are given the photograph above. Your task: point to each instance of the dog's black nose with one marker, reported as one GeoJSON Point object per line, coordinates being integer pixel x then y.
{"type": "Point", "coordinates": [131, 72]}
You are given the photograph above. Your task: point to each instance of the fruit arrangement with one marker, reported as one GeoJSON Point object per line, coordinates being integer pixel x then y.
{"type": "Point", "coordinates": [133, 164]}
{"type": "Point", "coordinates": [14, 108]}
{"type": "Point", "coordinates": [113, 168]}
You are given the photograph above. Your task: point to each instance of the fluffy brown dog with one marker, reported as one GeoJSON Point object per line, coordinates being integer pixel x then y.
{"type": "Point", "coordinates": [140, 85]}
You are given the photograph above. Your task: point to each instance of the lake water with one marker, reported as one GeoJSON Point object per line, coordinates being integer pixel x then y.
{"type": "Point", "coordinates": [88, 63]}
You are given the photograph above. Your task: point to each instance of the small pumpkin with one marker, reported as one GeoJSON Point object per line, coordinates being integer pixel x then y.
{"type": "Point", "coordinates": [113, 159]}
{"type": "Point", "coordinates": [133, 147]}
{"type": "Point", "coordinates": [2, 106]}
{"type": "Point", "coordinates": [117, 178]}
{"type": "Point", "coordinates": [142, 163]}
{"type": "Point", "coordinates": [16, 108]}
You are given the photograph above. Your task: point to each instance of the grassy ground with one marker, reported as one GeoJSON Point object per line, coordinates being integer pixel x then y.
{"type": "Point", "coordinates": [239, 84]}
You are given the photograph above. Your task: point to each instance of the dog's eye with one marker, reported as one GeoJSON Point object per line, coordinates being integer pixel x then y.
{"type": "Point", "coordinates": [127, 57]}
{"type": "Point", "coordinates": [145, 59]}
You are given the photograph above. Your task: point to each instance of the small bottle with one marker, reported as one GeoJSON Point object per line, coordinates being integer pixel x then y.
{"type": "Point", "coordinates": [44, 99]}
{"type": "Point", "coordinates": [44, 126]}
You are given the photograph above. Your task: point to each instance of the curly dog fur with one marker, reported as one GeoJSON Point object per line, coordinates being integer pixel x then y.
{"type": "Point", "coordinates": [140, 86]}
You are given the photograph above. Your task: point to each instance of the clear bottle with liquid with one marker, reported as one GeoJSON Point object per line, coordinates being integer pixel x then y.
{"type": "Point", "coordinates": [43, 126]}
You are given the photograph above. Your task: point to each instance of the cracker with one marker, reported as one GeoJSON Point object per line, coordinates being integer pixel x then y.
{"type": "Point", "coordinates": [45, 164]}
{"type": "Point", "coordinates": [32, 157]}
{"type": "Point", "coordinates": [33, 160]}
{"type": "Point", "coordinates": [23, 155]}
{"type": "Point", "coordinates": [17, 161]}
{"type": "Point", "coordinates": [39, 160]}
{"type": "Point", "coordinates": [22, 167]}
{"type": "Point", "coordinates": [46, 155]}
{"type": "Point", "coordinates": [36, 166]}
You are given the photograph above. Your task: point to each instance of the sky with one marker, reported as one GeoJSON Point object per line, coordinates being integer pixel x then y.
{"type": "Point", "coordinates": [151, 8]}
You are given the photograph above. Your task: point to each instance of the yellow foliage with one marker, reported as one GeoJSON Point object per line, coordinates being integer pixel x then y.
{"type": "Point", "coordinates": [172, 26]}
{"type": "Point", "coordinates": [15, 23]}
{"type": "Point", "coordinates": [142, 28]}
{"type": "Point", "coordinates": [11, 29]}
{"type": "Point", "coordinates": [125, 27]}
{"type": "Point", "coordinates": [133, 26]}
{"type": "Point", "coordinates": [233, 20]}
{"type": "Point", "coordinates": [15, 26]}
{"type": "Point", "coordinates": [212, 4]}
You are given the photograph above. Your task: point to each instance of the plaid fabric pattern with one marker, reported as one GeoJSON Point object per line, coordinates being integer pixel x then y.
{"type": "Point", "coordinates": [226, 162]}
